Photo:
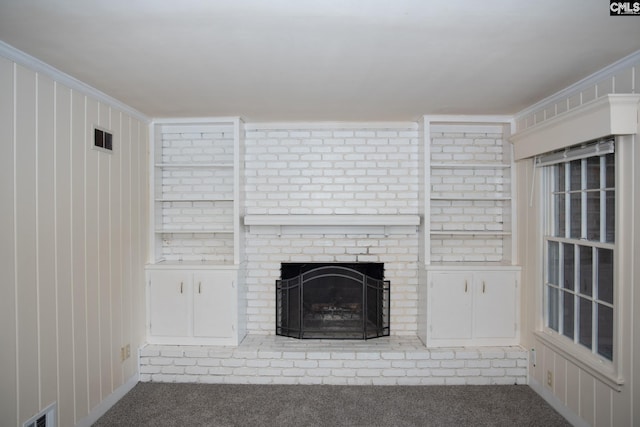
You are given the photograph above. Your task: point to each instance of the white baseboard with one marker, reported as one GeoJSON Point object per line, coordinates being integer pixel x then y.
{"type": "Point", "coordinates": [557, 404]}
{"type": "Point", "coordinates": [108, 402]}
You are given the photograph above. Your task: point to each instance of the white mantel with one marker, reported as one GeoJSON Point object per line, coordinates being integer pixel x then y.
{"type": "Point", "coordinates": [324, 224]}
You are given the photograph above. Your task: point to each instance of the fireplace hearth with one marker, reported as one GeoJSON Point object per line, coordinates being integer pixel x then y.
{"type": "Point", "coordinates": [332, 301]}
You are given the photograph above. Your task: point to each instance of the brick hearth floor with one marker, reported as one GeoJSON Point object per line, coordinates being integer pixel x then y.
{"type": "Point", "coordinates": [395, 360]}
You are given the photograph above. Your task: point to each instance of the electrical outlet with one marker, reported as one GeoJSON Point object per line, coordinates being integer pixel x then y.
{"type": "Point", "coordinates": [549, 379]}
{"type": "Point", "coordinates": [122, 354]}
{"type": "Point", "coordinates": [128, 351]}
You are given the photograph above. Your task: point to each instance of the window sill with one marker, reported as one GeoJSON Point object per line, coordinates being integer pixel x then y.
{"type": "Point", "coordinates": [599, 369]}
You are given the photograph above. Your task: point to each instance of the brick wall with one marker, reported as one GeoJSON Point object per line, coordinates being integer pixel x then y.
{"type": "Point", "coordinates": [399, 361]}
{"type": "Point", "coordinates": [467, 198]}
{"type": "Point", "coordinates": [201, 198]}
{"type": "Point", "coordinates": [331, 170]}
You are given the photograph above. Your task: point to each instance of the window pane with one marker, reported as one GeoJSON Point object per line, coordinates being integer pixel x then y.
{"type": "Point", "coordinates": [605, 331]}
{"type": "Point", "coordinates": [575, 212]}
{"type": "Point", "coordinates": [568, 266]}
{"type": "Point", "coordinates": [575, 175]}
{"type": "Point", "coordinates": [593, 215]}
{"type": "Point", "coordinates": [552, 312]}
{"type": "Point", "coordinates": [559, 217]}
{"type": "Point", "coordinates": [593, 173]}
{"type": "Point", "coordinates": [567, 315]}
{"type": "Point", "coordinates": [585, 313]}
{"type": "Point", "coordinates": [553, 252]}
{"type": "Point", "coordinates": [610, 218]}
{"type": "Point", "coordinates": [559, 178]}
{"type": "Point", "coordinates": [586, 270]}
{"type": "Point", "coordinates": [611, 169]}
{"type": "Point", "coordinates": [605, 275]}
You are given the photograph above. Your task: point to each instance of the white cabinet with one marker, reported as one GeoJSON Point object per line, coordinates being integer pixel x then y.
{"type": "Point", "coordinates": [214, 313]}
{"type": "Point", "coordinates": [190, 306]}
{"type": "Point", "coordinates": [169, 303]}
{"type": "Point", "coordinates": [472, 307]}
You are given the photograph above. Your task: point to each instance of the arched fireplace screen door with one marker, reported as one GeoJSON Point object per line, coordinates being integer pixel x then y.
{"type": "Point", "coordinates": [332, 301]}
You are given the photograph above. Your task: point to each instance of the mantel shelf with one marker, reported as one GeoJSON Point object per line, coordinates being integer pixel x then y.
{"type": "Point", "coordinates": [333, 220]}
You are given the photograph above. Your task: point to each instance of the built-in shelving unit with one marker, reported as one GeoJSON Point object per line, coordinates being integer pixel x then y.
{"type": "Point", "coordinates": [195, 203]}
{"type": "Point", "coordinates": [194, 289]}
{"type": "Point", "coordinates": [469, 191]}
{"type": "Point", "coordinates": [469, 294]}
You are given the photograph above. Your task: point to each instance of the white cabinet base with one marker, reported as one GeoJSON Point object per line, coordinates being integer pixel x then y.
{"type": "Point", "coordinates": [193, 306]}
{"type": "Point", "coordinates": [471, 306]}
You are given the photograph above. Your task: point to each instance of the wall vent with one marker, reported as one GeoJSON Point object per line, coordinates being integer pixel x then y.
{"type": "Point", "coordinates": [102, 139]}
{"type": "Point", "coordinates": [46, 418]}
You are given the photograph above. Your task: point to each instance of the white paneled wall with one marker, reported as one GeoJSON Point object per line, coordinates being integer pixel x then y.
{"type": "Point", "coordinates": [331, 169]}
{"type": "Point", "coordinates": [72, 247]}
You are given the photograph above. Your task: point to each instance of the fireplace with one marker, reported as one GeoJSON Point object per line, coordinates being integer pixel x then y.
{"type": "Point", "coordinates": [332, 301]}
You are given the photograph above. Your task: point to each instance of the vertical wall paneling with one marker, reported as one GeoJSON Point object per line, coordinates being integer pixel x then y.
{"type": "Point", "coordinates": [573, 383]}
{"type": "Point", "coordinates": [115, 250]}
{"type": "Point", "coordinates": [92, 198]}
{"type": "Point", "coordinates": [603, 405]}
{"type": "Point", "coordinates": [79, 256]}
{"type": "Point", "coordinates": [124, 148]}
{"type": "Point", "coordinates": [8, 359]}
{"type": "Point", "coordinates": [47, 309]}
{"type": "Point", "coordinates": [587, 403]}
{"type": "Point", "coordinates": [28, 373]}
{"type": "Point", "coordinates": [107, 350]}
{"type": "Point", "coordinates": [139, 160]}
{"type": "Point", "coordinates": [66, 406]}
{"type": "Point", "coordinates": [72, 244]}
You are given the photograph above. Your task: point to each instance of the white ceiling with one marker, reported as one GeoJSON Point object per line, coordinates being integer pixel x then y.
{"type": "Point", "coordinates": [322, 59]}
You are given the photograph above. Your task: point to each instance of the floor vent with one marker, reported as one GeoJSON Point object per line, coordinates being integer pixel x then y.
{"type": "Point", "coordinates": [46, 418]}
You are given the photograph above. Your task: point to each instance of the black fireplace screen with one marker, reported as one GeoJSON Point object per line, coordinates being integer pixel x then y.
{"type": "Point", "coordinates": [332, 301]}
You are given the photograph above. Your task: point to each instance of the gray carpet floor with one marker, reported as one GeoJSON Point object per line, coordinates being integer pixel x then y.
{"type": "Point", "coordinates": [160, 404]}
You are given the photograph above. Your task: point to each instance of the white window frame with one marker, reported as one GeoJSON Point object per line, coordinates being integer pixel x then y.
{"type": "Point", "coordinates": [612, 114]}
{"type": "Point", "coordinates": [550, 235]}
{"type": "Point", "coordinates": [608, 371]}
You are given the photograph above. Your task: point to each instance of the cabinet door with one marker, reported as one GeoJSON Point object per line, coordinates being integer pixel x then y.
{"type": "Point", "coordinates": [449, 305]}
{"type": "Point", "coordinates": [494, 311]}
{"type": "Point", "coordinates": [214, 304]}
{"type": "Point", "coordinates": [169, 303]}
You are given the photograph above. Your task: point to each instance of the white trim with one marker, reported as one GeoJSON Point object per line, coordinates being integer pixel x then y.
{"type": "Point", "coordinates": [38, 66]}
{"type": "Point", "coordinates": [108, 402]}
{"type": "Point", "coordinates": [231, 120]}
{"type": "Point", "coordinates": [557, 404]}
{"type": "Point", "coordinates": [609, 115]}
{"type": "Point", "coordinates": [596, 367]}
{"type": "Point", "coordinates": [332, 220]}
{"type": "Point", "coordinates": [583, 84]}
{"type": "Point", "coordinates": [469, 118]}
{"type": "Point", "coordinates": [329, 125]}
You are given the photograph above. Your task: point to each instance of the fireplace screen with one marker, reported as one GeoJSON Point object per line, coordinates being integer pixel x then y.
{"type": "Point", "coordinates": [332, 301]}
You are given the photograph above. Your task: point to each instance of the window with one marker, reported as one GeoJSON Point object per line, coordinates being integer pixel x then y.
{"type": "Point", "coordinates": [579, 245]}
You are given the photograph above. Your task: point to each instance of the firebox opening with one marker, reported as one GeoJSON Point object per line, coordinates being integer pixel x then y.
{"type": "Point", "coordinates": [332, 301]}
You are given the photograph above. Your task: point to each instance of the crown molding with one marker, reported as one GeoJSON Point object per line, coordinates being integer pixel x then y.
{"type": "Point", "coordinates": [587, 82]}
{"type": "Point", "coordinates": [41, 67]}
{"type": "Point", "coordinates": [609, 115]}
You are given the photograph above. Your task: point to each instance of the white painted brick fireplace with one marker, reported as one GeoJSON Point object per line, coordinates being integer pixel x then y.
{"type": "Point", "coordinates": [351, 171]}
{"type": "Point", "coordinates": [326, 193]}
